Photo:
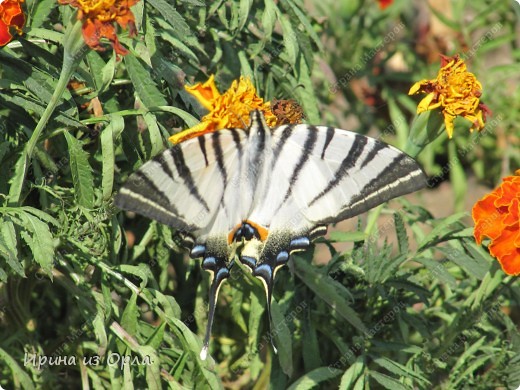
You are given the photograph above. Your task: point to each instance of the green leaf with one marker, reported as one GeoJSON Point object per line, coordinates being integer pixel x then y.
{"type": "Point", "coordinates": [81, 172]}
{"type": "Point", "coordinates": [303, 18]}
{"type": "Point", "coordinates": [189, 119]}
{"type": "Point", "coordinates": [441, 229]}
{"type": "Point", "coordinates": [269, 18]}
{"type": "Point", "coordinates": [350, 376]}
{"type": "Point", "coordinates": [289, 39]}
{"type": "Point", "coordinates": [107, 150]}
{"type": "Point", "coordinates": [143, 83]}
{"type": "Point", "coordinates": [18, 179]}
{"type": "Point", "coordinates": [400, 230]}
{"type": "Point", "coordinates": [157, 336]}
{"type": "Point", "coordinates": [283, 338]}
{"type": "Point", "coordinates": [340, 236]}
{"type": "Point", "coordinates": [21, 376]}
{"type": "Point", "coordinates": [457, 178]}
{"type": "Point", "coordinates": [100, 73]}
{"type": "Point", "coordinates": [328, 290]}
{"type": "Point", "coordinates": [307, 96]}
{"type": "Point", "coordinates": [130, 316]}
{"type": "Point", "coordinates": [174, 19]}
{"type": "Point", "coordinates": [9, 246]}
{"type": "Point", "coordinates": [154, 134]}
{"type": "Point", "coordinates": [39, 238]}
{"type": "Point", "coordinates": [387, 382]}
{"type": "Point", "coordinates": [437, 270]}
{"type": "Point", "coordinates": [467, 263]}
{"type": "Point", "coordinates": [400, 370]}
{"type": "Point", "coordinates": [314, 378]}
{"type": "Point", "coordinates": [243, 13]}
{"type": "Point", "coordinates": [41, 12]}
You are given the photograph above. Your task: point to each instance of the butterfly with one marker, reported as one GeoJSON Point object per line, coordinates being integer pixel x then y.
{"type": "Point", "coordinates": [268, 191]}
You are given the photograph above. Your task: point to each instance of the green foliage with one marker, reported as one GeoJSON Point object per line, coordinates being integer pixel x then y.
{"type": "Point", "coordinates": [93, 297]}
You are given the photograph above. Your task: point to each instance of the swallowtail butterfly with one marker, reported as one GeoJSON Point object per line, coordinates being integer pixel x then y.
{"type": "Point", "coordinates": [272, 190]}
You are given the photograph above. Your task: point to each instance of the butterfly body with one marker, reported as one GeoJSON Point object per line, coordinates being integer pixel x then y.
{"type": "Point", "coordinates": [270, 190]}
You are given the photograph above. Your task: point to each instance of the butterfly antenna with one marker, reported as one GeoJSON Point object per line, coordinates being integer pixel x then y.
{"type": "Point", "coordinates": [220, 271]}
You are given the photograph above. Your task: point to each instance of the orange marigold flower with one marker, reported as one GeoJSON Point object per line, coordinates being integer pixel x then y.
{"type": "Point", "coordinates": [98, 18]}
{"type": "Point", "coordinates": [11, 17]}
{"type": "Point", "coordinates": [227, 110]}
{"type": "Point", "coordinates": [456, 91]}
{"type": "Point", "coordinates": [497, 217]}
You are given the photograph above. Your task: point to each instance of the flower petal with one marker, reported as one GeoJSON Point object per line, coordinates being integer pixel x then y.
{"type": "Point", "coordinates": [206, 93]}
{"type": "Point", "coordinates": [195, 131]}
{"type": "Point", "coordinates": [505, 251]}
{"type": "Point", "coordinates": [5, 35]}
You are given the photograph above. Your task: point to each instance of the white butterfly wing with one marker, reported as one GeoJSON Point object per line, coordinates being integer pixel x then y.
{"type": "Point", "coordinates": [320, 175]}
{"type": "Point", "coordinates": [189, 186]}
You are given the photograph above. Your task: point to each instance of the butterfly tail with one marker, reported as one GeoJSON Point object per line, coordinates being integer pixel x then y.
{"type": "Point", "coordinates": [220, 271]}
{"type": "Point", "coordinates": [265, 272]}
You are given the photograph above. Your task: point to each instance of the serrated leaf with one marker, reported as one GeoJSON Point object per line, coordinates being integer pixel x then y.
{"type": "Point", "coordinates": [181, 47]}
{"type": "Point", "coordinates": [29, 104]}
{"type": "Point", "coordinates": [175, 20]}
{"type": "Point", "coordinates": [81, 172]}
{"type": "Point", "coordinates": [96, 66]}
{"type": "Point", "coordinates": [39, 239]}
{"type": "Point", "coordinates": [143, 83]}
{"type": "Point", "coordinates": [441, 229]}
{"type": "Point", "coordinates": [306, 95]}
{"type": "Point", "coordinates": [400, 370]}
{"type": "Point", "coordinates": [9, 246]}
{"type": "Point", "coordinates": [467, 263]}
{"type": "Point", "coordinates": [438, 270]}
{"type": "Point", "coordinates": [303, 18]}
{"type": "Point", "coordinates": [40, 214]}
{"type": "Point", "coordinates": [400, 230]}
{"type": "Point", "coordinates": [289, 39]}
{"type": "Point", "coordinates": [18, 179]}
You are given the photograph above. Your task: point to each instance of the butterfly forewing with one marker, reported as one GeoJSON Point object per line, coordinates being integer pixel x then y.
{"type": "Point", "coordinates": [191, 186]}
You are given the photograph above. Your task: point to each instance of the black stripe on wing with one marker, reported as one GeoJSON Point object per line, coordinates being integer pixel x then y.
{"type": "Point", "coordinates": [358, 145]}
{"type": "Point", "coordinates": [402, 176]}
{"type": "Point", "coordinates": [185, 173]}
{"type": "Point", "coordinates": [328, 137]}
{"type": "Point", "coordinates": [307, 151]}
